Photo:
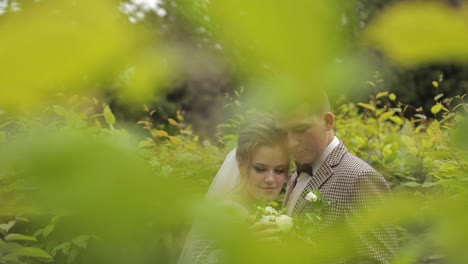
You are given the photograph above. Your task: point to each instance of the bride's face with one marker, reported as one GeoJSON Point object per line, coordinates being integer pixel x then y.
{"type": "Point", "coordinates": [268, 172]}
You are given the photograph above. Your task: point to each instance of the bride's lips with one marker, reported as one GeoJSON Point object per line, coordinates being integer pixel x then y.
{"type": "Point", "coordinates": [268, 189]}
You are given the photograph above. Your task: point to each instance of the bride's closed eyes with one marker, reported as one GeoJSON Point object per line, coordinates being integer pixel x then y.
{"type": "Point", "coordinates": [260, 169]}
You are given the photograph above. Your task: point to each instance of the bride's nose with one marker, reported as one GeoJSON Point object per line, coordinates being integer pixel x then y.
{"type": "Point", "coordinates": [270, 178]}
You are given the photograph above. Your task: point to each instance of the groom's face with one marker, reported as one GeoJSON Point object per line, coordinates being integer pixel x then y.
{"type": "Point", "coordinates": [307, 137]}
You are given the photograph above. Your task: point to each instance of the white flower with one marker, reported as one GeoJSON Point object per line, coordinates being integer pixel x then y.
{"type": "Point", "coordinates": [270, 210]}
{"type": "Point", "coordinates": [285, 223]}
{"type": "Point", "coordinates": [311, 197]}
{"type": "Point", "coordinates": [267, 219]}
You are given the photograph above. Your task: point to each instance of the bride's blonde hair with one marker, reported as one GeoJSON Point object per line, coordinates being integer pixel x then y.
{"type": "Point", "coordinates": [259, 129]}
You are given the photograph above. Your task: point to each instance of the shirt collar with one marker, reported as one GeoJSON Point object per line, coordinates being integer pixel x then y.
{"type": "Point", "coordinates": [316, 165]}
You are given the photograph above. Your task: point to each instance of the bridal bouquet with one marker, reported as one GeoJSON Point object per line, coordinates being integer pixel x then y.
{"type": "Point", "coordinates": [270, 214]}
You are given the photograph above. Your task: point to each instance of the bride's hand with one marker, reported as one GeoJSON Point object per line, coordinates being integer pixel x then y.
{"type": "Point", "coordinates": [266, 232]}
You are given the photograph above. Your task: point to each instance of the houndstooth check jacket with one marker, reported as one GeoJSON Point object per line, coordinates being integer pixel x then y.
{"type": "Point", "coordinates": [349, 184]}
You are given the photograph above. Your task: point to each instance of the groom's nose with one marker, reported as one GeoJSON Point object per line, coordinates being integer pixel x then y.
{"type": "Point", "coordinates": [293, 141]}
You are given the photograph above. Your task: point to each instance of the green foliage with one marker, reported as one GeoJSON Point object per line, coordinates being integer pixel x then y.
{"type": "Point", "coordinates": [416, 155]}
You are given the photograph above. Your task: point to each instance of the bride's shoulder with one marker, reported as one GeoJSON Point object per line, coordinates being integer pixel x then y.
{"type": "Point", "coordinates": [233, 207]}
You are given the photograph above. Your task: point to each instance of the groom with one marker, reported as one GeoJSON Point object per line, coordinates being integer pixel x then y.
{"type": "Point", "coordinates": [347, 183]}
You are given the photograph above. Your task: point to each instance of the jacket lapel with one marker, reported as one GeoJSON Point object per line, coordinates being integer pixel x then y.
{"type": "Point", "coordinates": [321, 176]}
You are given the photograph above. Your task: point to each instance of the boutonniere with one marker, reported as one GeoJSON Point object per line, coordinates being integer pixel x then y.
{"type": "Point", "coordinates": [311, 197]}
{"type": "Point", "coordinates": [319, 202]}
{"type": "Point", "coordinates": [309, 222]}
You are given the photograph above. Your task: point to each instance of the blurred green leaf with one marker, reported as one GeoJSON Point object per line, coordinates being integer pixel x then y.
{"type": "Point", "coordinates": [436, 108]}
{"type": "Point", "coordinates": [421, 32]}
{"type": "Point", "coordinates": [108, 115]}
{"type": "Point", "coordinates": [8, 226]}
{"type": "Point", "coordinates": [367, 106]}
{"type": "Point", "coordinates": [47, 230]}
{"type": "Point", "coordinates": [31, 252]}
{"type": "Point", "coordinates": [19, 237]}
{"type": "Point", "coordinates": [54, 45]}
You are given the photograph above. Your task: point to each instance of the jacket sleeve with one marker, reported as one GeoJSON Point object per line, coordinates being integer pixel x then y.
{"type": "Point", "coordinates": [375, 238]}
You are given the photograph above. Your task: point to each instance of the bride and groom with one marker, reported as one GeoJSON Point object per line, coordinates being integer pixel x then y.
{"type": "Point", "coordinates": [259, 167]}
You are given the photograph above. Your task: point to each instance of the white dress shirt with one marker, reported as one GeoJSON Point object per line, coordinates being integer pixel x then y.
{"type": "Point", "coordinates": [304, 178]}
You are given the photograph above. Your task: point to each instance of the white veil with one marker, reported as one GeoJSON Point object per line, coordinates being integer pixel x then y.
{"type": "Point", "coordinates": [227, 177]}
{"type": "Point", "coordinates": [225, 181]}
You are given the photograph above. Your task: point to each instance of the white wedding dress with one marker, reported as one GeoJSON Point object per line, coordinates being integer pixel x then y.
{"type": "Point", "coordinates": [223, 183]}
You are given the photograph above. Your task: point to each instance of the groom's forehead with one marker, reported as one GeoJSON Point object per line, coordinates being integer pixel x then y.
{"type": "Point", "coordinates": [290, 122]}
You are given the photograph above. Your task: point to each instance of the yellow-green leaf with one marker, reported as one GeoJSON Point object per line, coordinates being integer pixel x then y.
{"type": "Point", "coordinates": [383, 117]}
{"type": "Point", "coordinates": [367, 106]}
{"type": "Point", "coordinates": [159, 133]}
{"type": "Point", "coordinates": [436, 108]}
{"type": "Point", "coordinates": [59, 110]}
{"type": "Point", "coordinates": [108, 115]}
{"type": "Point", "coordinates": [381, 94]}
{"type": "Point", "coordinates": [396, 119]}
{"type": "Point", "coordinates": [175, 140]}
{"type": "Point", "coordinates": [31, 252]}
{"type": "Point", "coordinates": [414, 32]}
{"type": "Point", "coordinates": [19, 237]}
{"type": "Point", "coordinates": [435, 84]}
{"type": "Point", "coordinates": [172, 122]}
{"type": "Point", "coordinates": [437, 97]}
{"type": "Point", "coordinates": [392, 97]}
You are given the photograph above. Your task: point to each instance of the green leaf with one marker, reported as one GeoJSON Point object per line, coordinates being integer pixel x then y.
{"type": "Point", "coordinates": [47, 230]}
{"type": "Point", "coordinates": [435, 84]}
{"type": "Point", "coordinates": [436, 108]}
{"type": "Point", "coordinates": [60, 110]}
{"type": "Point", "coordinates": [397, 120]}
{"type": "Point", "coordinates": [19, 237]}
{"type": "Point", "coordinates": [381, 94]}
{"type": "Point", "coordinates": [64, 246]}
{"type": "Point", "coordinates": [392, 97]}
{"type": "Point", "coordinates": [412, 184]}
{"type": "Point", "coordinates": [81, 241]}
{"type": "Point", "coordinates": [410, 32]}
{"type": "Point", "coordinates": [72, 256]}
{"type": "Point", "coordinates": [437, 97]}
{"type": "Point", "coordinates": [108, 115]}
{"type": "Point", "coordinates": [38, 232]}
{"type": "Point", "coordinates": [429, 184]}
{"type": "Point", "coordinates": [7, 227]}
{"type": "Point", "coordinates": [367, 106]}
{"type": "Point", "coordinates": [31, 252]}
{"type": "Point", "coordinates": [383, 117]}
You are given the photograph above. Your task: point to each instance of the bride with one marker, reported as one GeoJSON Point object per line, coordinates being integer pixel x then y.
{"type": "Point", "coordinates": [256, 169]}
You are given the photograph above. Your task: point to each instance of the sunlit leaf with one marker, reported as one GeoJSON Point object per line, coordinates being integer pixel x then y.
{"type": "Point", "coordinates": [8, 226]}
{"type": "Point", "coordinates": [159, 133]}
{"type": "Point", "coordinates": [437, 97]}
{"type": "Point", "coordinates": [31, 252]}
{"type": "Point", "coordinates": [19, 237]}
{"type": "Point", "coordinates": [367, 106]}
{"type": "Point", "coordinates": [381, 94]}
{"type": "Point", "coordinates": [109, 116]}
{"type": "Point", "coordinates": [55, 45]}
{"type": "Point", "coordinates": [436, 108]}
{"type": "Point", "coordinates": [172, 122]}
{"type": "Point", "coordinates": [419, 32]}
